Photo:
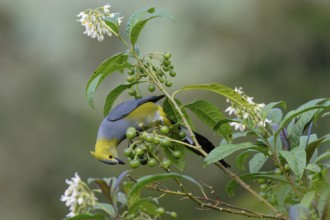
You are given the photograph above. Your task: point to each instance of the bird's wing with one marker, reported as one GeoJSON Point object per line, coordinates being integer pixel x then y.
{"type": "Point", "coordinates": [126, 107]}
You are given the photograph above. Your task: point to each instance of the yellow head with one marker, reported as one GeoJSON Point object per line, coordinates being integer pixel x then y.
{"type": "Point", "coordinates": [106, 152]}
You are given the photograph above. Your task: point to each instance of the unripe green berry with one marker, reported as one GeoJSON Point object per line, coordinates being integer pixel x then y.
{"type": "Point", "coordinates": [166, 69]}
{"type": "Point", "coordinates": [171, 67]}
{"type": "Point", "coordinates": [138, 151]}
{"type": "Point", "coordinates": [166, 142]}
{"type": "Point", "coordinates": [168, 83]}
{"type": "Point", "coordinates": [167, 55]}
{"type": "Point", "coordinates": [128, 152]}
{"type": "Point", "coordinates": [261, 181]}
{"type": "Point", "coordinates": [134, 163]}
{"type": "Point", "coordinates": [263, 187]}
{"type": "Point", "coordinates": [172, 73]}
{"type": "Point", "coordinates": [166, 63]}
{"type": "Point", "coordinates": [278, 171]}
{"type": "Point", "coordinates": [161, 80]}
{"type": "Point", "coordinates": [182, 134]}
{"type": "Point", "coordinates": [130, 132]}
{"type": "Point", "coordinates": [130, 79]}
{"type": "Point", "coordinates": [151, 87]}
{"type": "Point", "coordinates": [177, 154]}
{"type": "Point", "coordinates": [164, 130]}
{"type": "Point", "coordinates": [286, 167]}
{"type": "Point", "coordinates": [149, 138]}
{"type": "Point", "coordinates": [173, 214]}
{"type": "Point", "coordinates": [131, 72]}
{"type": "Point", "coordinates": [166, 163]}
{"type": "Point", "coordinates": [156, 140]}
{"type": "Point", "coordinates": [160, 211]}
{"type": "Point", "coordinates": [131, 92]}
{"type": "Point", "coordinates": [152, 162]}
{"type": "Point", "coordinates": [138, 95]}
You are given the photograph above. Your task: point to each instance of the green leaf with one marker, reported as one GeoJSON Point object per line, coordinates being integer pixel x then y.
{"type": "Point", "coordinates": [225, 150]}
{"type": "Point", "coordinates": [324, 156]}
{"type": "Point", "coordinates": [138, 19]}
{"type": "Point", "coordinates": [294, 113]}
{"type": "Point", "coordinates": [107, 208]}
{"type": "Point", "coordinates": [266, 110]}
{"type": "Point", "coordinates": [256, 162]}
{"type": "Point", "coordinates": [296, 159]}
{"type": "Point", "coordinates": [299, 127]}
{"type": "Point", "coordinates": [232, 184]}
{"type": "Point", "coordinates": [219, 89]}
{"type": "Point", "coordinates": [113, 95]}
{"type": "Point", "coordinates": [241, 158]}
{"type": "Point", "coordinates": [143, 181]}
{"type": "Point", "coordinates": [112, 22]}
{"type": "Point", "coordinates": [275, 115]}
{"type": "Point", "coordinates": [311, 147]}
{"type": "Point", "coordinates": [308, 198]}
{"type": "Point", "coordinates": [145, 205]}
{"type": "Point", "coordinates": [87, 217]}
{"type": "Point", "coordinates": [210, 114]}
{"type": "Point", "coordinates": [173, 114]}
{"type": "Point", "coordinates": [133, 198]}
{"type": "Point", "coordinates": [117, 62]}
{"type": "Point", "coordinates": [103, 185]}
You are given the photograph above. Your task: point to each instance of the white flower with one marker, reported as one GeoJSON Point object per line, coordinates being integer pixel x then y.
{"type": "Point", "coordinates": [230, 110]}
{"type": "Point", "coordinates": [249, 99]}
{"type": "Point", "coordinates": [106, 8]}
{"type": "Point", "coordinates": [77, 196]}
{"type": "Point", "coordinates": [93, 21]}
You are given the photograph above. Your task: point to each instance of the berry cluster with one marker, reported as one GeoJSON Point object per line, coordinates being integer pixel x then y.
{"type": "Point", "coordinates": [149, 70]}
{"type": "Point", "coordinates": [146, 148]}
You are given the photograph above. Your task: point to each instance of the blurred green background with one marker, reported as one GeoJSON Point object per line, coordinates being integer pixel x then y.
{"type": "Point", "coordinates": [275, 50]}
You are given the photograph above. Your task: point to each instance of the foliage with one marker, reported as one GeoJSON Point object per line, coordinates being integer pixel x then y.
{"type": "Point", "coordinates": [295, 187]}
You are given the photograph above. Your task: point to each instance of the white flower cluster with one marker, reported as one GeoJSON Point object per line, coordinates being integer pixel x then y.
{"type": "Point", "coordinates": [92, 20]}
{"type": "Point", "coordinates": [78, 196]}
{"type": "Point", "coordinates": [246, 114]}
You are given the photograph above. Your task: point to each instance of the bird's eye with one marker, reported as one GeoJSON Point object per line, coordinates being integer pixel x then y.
{"type": "Point", "coordinates": [110, 156]}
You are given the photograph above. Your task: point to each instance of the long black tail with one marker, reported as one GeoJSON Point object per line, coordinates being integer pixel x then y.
{"type": "Point", "coordinates": [205, 143]}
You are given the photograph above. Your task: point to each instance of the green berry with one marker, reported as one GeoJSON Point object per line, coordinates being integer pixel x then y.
{"type": "Point", "coordinates": [166, 142]}
{"type": "Point", "coordinates": [134, 163]}
{"type": "Point", "coordinates": [131, 72]}
{"type": "Point", "coordinates": [168, 83]}
{"type": "Point", "coordinates": [128, 152]}
{"type": "Point", "coordinates": [177, 154]}
{"type": "Point", "coordinates": [171, 67]}
{"type": "Point", "coordinates": [166, 69]}
{"type": "Point", "coordinates": [138, 95]}
{"type": "Point", "coordinates": [160, 211]}
{"type": "Point", "coordinates": [263, 187]}
{"type": "Point", "coordinates": [161, 80]}
{"type": "Point", "coordinates": [173, 214]}
{"type": "Point", "coordinates": [172, 73]}
{"type": "Point", "coordinates": [167, 55]}
{"type": "Point", "coordinates": [278, 171]}
{"type": "Point", "coordinates": [164, 130]}
{"type": "Point", "coordinates": [286, 167]}
{"type": "Point", "coordinates": [149, 138]}
{"type": "Point", "coordinates": [261, 181]}
{"type": "Point", "coordinates": [131, 92]}
{"type": "Point", "coordinates": [167, 63]}
{"type": "Point", "coordinates": [151, 87]}
{"type": "Point", "coordinates": [130, 132]}
{"type": "Point", "coordinates": [152, 162]}
{"type": "Point", "coordinates": [144, 135]}
{"type": "Point", "coordinates": [182, 134]}
{"type": "Point", "coordinates": [130, 79]}
{"type": "Point", "coordinates": [156, 140]}
{"type": "Point", "coordinates": [138, 151]}
{"type": "Point", "coordinates": [166, 163]}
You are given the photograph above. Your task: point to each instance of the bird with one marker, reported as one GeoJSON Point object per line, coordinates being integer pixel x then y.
{"type": "Point", "coordinates": [142, 114]}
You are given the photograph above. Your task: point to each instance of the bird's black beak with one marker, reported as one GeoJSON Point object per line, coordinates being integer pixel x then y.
{"type": "Point", "coordinates": [120, 161]}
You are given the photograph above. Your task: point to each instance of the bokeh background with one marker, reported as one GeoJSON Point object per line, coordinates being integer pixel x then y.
{"type": "Point", "coordinates": [275, 50]}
